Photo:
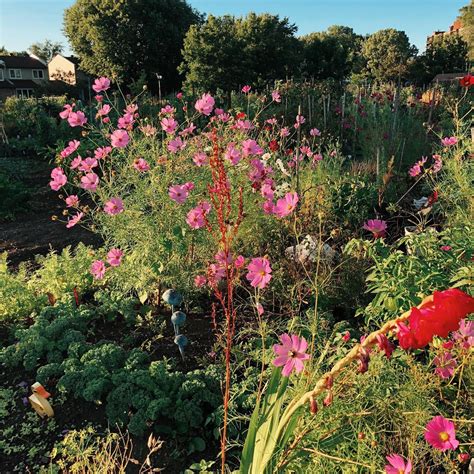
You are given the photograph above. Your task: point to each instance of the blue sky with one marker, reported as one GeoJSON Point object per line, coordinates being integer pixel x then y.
{"type": "Point", "coordinates": [23, 22]}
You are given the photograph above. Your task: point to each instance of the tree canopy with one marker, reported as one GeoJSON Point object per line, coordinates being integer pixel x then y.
{"type": "Point", "coordinates": [46, 50]}
{"type": "Point", "coordinates": [387, 54]}
{"type": "Point", "coordinates": [124, 38]}
{"type": "Point", "coordinates": [332, 53]}
{"type": "Point", "coordinates": [467, 20]}
{"type": "Point", "coordinates": [225, 52]}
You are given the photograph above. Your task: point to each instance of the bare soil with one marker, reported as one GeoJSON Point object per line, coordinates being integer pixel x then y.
{"type": "Point", "coordinates": [32, 231]}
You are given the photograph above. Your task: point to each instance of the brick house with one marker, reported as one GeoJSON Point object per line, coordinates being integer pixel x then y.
{"type": "Point", "coordinates": [21, 76]}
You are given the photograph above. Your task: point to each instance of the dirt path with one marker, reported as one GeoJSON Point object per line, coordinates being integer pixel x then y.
{"type": "Point", "coordinates": [32, 232]}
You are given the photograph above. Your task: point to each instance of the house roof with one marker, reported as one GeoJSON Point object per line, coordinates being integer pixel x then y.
{"type": "Point", "coordinates": [75, 60]}
{"type": "Point", "coordinates": [22, 62]}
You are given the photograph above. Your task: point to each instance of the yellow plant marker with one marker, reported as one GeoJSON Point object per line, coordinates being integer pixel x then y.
{"type": "Point", "coordinates": [38, 401]}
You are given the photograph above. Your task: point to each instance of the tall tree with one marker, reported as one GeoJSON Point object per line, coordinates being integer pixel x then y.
{"type": "Point", "coordinates": [467, 20]}
{"type": "Point", "coordinates": [213, 55]}
{"type": "Point", "coordinates": [124, 38]}
{"type": "Point", "coordinates": [46, 50]}
{"type": "Point", "coordinates": [226, 52]}
{"type": "Point", "coordinates": [271, 48]}
{"type": "Point", "coordinates": [334, 53]}
{"type": "Point", "coordinates": [387, 53]}
{"type": "Point", "coordinates": [444, 55]}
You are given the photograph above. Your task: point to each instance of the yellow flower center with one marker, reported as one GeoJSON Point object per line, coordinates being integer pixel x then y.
{"type": "Point", "coordinates": [291, 354]}
{"type": "Point", "coordinates": [443, 436]}
{"type": "Point", "coordinates": [262, 273]}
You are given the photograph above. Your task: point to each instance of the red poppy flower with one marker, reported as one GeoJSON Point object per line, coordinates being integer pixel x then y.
{"type": "Point", "coordinates": [438, 317]}
{"type": "Point", "coordinates": [467, 81]}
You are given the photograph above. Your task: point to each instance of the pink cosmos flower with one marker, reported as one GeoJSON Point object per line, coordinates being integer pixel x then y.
{"type": "Point", "coordinates": [113, 206]}
{"type": "Point", "coordinates": [232, 154]}
{"type": "Point", "coordinates": [72, 200]}
{"type": "Point", "coordinates": [179, 95]}
{"type": "Point", "coordinates": [178, 193]}
{"type": "Point", "coordinates": [88, 164]}
{"type": "Point", "coordinates": [314, 132]}
{"type": "Point", "coordinates": [276, 97]}
{"type": "Point", "coordinates": [222, 259]}
{"type": "Point", "coordinates": [99, 98]}
{"type": "Point", "coordinates": [291, 354]}
{"type": "Point", "coordinates": [148, 130]}
{"type": "Point", "coordinates": [176, 145]}
{"type": "Point", "coordinates": [131, 109]}
{"type": "Point", "coordinates": [244, 125]}
{"type": "Point", "coordinates": [224, 117]}
{"type": "Point", "coordinates": [346, 336]}
{"type": "Point", "coordinates": [251, 147]}
{"type": "Point", "coordinates": [101, 84]}
{"type": "Point", "coordinates": [259, 272]}
{"type": "Point", "coordinates": [445, 365]}
{"type": "Point", "coordinates": [169, 125]}
{"type": "Point", "coordinates": [119, 139]}
{"type": "Point", "coordinates": [317, 157]}
{"type": "Point", "coordinates": [239, 262]}
{"type": "Point", "coordinates": [465, 334]}
{"type": "Point", "coordinates": [446, 248]}
{"type": "Point", "coordinates": [98, 269]}
{"type": "Point", "coordinates": [205, 104]}
{"type": "Point", "coordinates": [284, 132]}
{"type": "Point", "coordinates": [397, 465]}
{"type": "Point", "coordinates": [200, 281]}
{"type": "Point", "coordinates": [218, 111]}
{"type": "Point", "coordinates": [126, 121]}
{"type": "Point", "coordinates": [58, 179]}
{"type": "Point", "coordinates": [377, 227]}
{"type": "Point", "coordinates": [268, 207]}
{"type": "Point", "coordinates": [189, 130]}
{"type": "Point", "coordinates": [102, 152]}
{"type": "Point", "coordinates": [300, 120]}
{"type": "Point", "coordinates": [415, 170]}
{"type": "Point", "coordinates": [215, 273]}
{"type": "Point", "coordinates": [76, 162]}
{"type": "Point", "coordinates": [449, 141]}
{"type": "Point", "coordinates": [141, 165]}
{"type": "Point", "coordinates": [286, 205]}
{"type": "Point", "coordinates": [167, 110]}
{"type": "Point", "coordinates": [77, 119]}
{"type": "Point", "coordinates": [440, 434]}
{"type": "Point", "coordinates": [267, 191]}
{"type": "Point", "coordinates": [90, 181]}
{"type": "Point", "coordinates": [196, 217]}
{"type": "Point", "coordinates": [72, 221]}
{"type": "Point", "coordinates": [71, 148]}
{"type": "Point", "coordinates": [200, 158]}
{"type": "Point", "coordinates": [246, 89]}
{"type": "Point", "coordinates": [260, 309]}
{"type": "Point", "coordinates": [104, 110]}
{"type": "Point", "coordinates": [114, 257]}
{"type": "Point", "coordinates": [438, 164]}
{"type": "Point", "coordinates": [64, 114]}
